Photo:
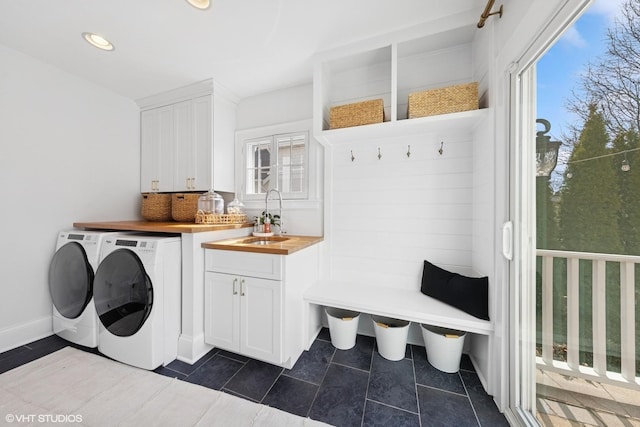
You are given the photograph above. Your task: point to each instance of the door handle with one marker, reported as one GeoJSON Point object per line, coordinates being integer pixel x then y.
{"type": "Point", "coordinates": [235, 282]}
{"type": "Point", "coordinates": [242, 287]}
{"type": "Point", "coordinates": [507, 240]}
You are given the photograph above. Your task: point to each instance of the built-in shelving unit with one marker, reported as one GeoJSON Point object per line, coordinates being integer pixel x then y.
{"type": "Point", "coordinates": [408, 190]}
{"type": "Point", "coordinates": [391, 69]}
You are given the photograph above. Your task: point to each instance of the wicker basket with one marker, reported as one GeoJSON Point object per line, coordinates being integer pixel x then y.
{"type": "Point", "coordinates": [184, 206]}
{"type": "Point", "coordinates": [451, 99]}
{"type": "Point", "coordinates": [202, 218]}
{"type": "Point", "coordinates": [156, 206]}
{"type": "Point", "coordinates": [356, 114]}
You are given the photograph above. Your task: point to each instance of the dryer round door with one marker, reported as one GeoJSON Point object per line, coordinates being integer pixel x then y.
{"type": "Point", "coordinates": [122, 293]}
{"type": "Point", "coordinates": [70, 280]}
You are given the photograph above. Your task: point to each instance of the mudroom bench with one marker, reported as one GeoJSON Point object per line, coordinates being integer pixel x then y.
{"type": "Point", "coordinates": [411, 305]}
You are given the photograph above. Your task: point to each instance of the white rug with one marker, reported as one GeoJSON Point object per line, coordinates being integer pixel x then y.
{"type": "Point", "coordinates": [83, 389]}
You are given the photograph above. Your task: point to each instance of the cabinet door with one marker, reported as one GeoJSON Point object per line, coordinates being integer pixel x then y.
{"type": "Point", "coordinates": [222, 311]}
{"type": "Point", "coordinates": [183, 146]}
{"type": "Point", "coordinates": [201, 161]}
{"type": "Point", "coordinates": [261, 314]}
{"type": "Point", "coordinates": [156, 150]}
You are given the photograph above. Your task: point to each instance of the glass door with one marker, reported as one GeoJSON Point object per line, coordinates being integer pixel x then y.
{"type": "Point", "coordinates": [123, 293]}
{"type": "Point", "coordinates": [70, 280]}
{"type": "Point", "coordinates": [525, 166]}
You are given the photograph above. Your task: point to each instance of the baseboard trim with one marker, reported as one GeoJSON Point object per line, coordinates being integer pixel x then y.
{"type": "Point", "coordinates": [191, 349]}
{"type": "Point", "coordinates": [19, 335]}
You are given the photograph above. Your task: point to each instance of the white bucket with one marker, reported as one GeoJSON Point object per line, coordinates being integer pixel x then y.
{"type": "Point", "coordinates": [343, 327]}
{"type": "Point", "coordinates": [444, 347]}
{"type": "Point", "coordinates": [391, 337]}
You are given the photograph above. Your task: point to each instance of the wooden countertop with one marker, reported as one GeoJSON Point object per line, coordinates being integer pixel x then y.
{"type": "Point", "coordinates": [158, 227]}
{"type": "Point", "coordinates": [286, 247]}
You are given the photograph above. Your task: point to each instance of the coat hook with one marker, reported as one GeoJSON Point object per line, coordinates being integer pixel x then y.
{"type": "Point", "coordinates": [441, 150]}
{"type": "Point", "coordinates": [352, 158]}
{"type": "Point", "coordinates": [379, 154]}
{"type": "Point", "coordinates": [408, 151]}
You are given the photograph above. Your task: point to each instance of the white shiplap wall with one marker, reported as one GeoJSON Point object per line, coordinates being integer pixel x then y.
{"type": "Point", "coordinates": [390, 214]}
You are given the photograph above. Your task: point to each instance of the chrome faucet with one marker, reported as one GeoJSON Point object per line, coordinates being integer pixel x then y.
{"type": "Point", "coordinates": [266, 207]}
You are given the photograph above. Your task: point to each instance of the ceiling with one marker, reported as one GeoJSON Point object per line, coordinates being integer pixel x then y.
{"type": "Point", "coordinates": [248, 46]}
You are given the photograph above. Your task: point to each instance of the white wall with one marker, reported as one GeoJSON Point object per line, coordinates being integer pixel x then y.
{"type": "Point", "coordinates": [69, 151]}
{"type": "Point", "coordinates": [282, 106]}
{"type": "Point", "coordinates": [388, 215]}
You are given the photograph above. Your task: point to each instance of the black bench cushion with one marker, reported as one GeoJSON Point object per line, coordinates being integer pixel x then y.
{"type": "Point", "coordinates": [469, 294]}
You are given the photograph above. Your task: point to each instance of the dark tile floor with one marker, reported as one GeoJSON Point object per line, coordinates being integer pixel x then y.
{"type": "Point", "coordinates": [355, 387]}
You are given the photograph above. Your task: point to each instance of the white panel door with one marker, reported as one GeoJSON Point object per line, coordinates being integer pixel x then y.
{"type": "Point", "coordinates": [202, 149]}
{"type": "Point", "coordinates": [156, 150]}
{"type": "Point", "coordinates": [222, 311]}
{"type": "Point", "coordinates": [261, 312]}
{"type": "Point", "coordinates": [183, 143]}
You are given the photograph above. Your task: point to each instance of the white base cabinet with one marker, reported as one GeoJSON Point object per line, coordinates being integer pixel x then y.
{"type": "Point", "coordinates": [253, 303]}
{"type": "Point", "coordinates": [244, 315]}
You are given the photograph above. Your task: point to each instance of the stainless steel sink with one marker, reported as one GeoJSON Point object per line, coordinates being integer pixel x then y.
{"type": "Point", "coordinates": [264, 240]}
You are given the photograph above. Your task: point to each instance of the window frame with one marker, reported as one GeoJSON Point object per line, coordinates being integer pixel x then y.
{"type": "Point", "coordinates": [246, 137]}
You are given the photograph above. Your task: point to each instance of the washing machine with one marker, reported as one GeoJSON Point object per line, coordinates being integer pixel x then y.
{"type": "Point", "coordinates": [137, 295]}
{"type": "Point", "coordinates": [71, 275]}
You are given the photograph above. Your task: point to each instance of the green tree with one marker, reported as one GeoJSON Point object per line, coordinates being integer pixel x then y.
{"type": "Point", "coordinates": [546, 222]}
{"type": "Point", "coordinates": [628, 183]}
{"type": "Point", "coordinates": [588, 214]}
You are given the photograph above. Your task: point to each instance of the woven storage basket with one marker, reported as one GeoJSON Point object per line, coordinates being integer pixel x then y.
{"type": "Point", "coordinates": [156, 206]}
{"type": "Point", "coordinates": [202, 218]}
{"type": "Point", "coordinates": [451, 99]}
{"type": "Point", "coordinates": [184, 206]}
{"type": "Point", "coordinates": [356, 114]}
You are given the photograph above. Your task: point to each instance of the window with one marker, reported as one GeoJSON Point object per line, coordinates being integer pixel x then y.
{"type": "Point", "coordinates": [277, 161]}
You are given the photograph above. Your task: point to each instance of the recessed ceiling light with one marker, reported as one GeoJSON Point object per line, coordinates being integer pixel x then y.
{"type": "Point", "coordinates": [98, 41]}
{"type": "Point", "coordinates": [200, 4]}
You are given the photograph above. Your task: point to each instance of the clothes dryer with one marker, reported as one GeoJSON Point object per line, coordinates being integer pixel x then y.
{"type": "Point", "coordinates": [71, 275]}
{"type": "Point", "coordinates": [137, 293]}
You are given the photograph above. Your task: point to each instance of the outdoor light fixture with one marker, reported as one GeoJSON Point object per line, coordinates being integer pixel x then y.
{"type": "Point", "coordinates": [625, 164]}
{"type": "Point", "coordinates": [546, 150]}
{"type": "Point", "coordinates": [200, 4]}
{"type": "Point", "coordinates": [98, 41]}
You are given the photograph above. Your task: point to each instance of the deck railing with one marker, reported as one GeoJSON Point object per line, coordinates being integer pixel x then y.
{"type": "Point", "coordinates": [599, 344]}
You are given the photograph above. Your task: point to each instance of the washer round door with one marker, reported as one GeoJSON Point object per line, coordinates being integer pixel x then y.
{"type": "Point", "coordinates": [70, 280]}
{"type": "Point", "coordinates": [122, 292]}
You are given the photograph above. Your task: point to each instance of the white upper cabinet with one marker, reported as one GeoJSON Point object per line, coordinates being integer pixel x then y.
{"type": "Point", "coordinates": [187, 139]}
{"type": "Point", "coordinates": [391, 68]}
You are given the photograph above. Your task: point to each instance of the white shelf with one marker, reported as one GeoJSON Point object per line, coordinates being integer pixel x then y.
{"type": "Point", "coordinates": [466, 120]}
{"type": "Point", "coordinates": [391, 69]}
